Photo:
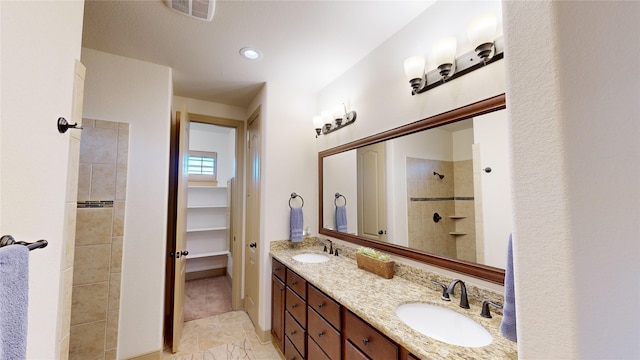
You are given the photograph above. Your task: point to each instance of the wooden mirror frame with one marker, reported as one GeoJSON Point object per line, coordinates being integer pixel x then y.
{"type": "Point", "coordinates": [488, 273]}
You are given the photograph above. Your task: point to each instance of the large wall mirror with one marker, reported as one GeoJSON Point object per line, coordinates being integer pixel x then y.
{"type": "Point", "coordinates": [436, 190]}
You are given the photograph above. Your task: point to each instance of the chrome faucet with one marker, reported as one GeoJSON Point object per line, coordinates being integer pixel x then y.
{"type": "Point", "coordinates": [464, 301]}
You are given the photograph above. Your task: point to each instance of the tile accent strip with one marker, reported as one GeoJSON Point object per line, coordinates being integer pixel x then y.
{"type": "Point", "coordinates": [95, 204]}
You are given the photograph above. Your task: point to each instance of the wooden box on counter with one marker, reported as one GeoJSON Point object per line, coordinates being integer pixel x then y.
{"type": "Point", "coordinates": [380, 268]}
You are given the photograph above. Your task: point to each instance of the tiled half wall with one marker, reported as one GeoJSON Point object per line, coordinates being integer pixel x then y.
{"type": "Point", "coordinates": [99, 237]}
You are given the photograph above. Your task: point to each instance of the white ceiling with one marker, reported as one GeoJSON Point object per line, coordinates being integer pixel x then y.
{"type": "Point", "coordinates": [306, 44]}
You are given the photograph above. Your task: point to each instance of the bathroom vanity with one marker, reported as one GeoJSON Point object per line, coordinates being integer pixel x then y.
{"type": "Point", "coordinates": [333, 310]}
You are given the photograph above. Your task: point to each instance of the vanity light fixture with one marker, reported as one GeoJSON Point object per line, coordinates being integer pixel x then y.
{"type": "Point", "coordinates": [488, 48]}
{"type": "Point", "coordinates": [324, 123]}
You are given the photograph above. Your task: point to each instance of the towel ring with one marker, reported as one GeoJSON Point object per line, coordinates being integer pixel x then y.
{"type": "Point", "coordinates": [338, 195]}
{"type": "Point", "coordinates": [293, 196]}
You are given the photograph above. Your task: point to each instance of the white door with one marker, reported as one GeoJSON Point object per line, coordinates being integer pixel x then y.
{"type": "Point", "coordinates": [372, 208]}
{"type": "Point", "coordinates": [252, 258]}
{"type": "Point", "coordinates": [180, 255]}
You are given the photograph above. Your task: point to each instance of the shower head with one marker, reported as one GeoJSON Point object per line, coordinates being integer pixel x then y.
{"type": "Point", "coordinates": [438, 175]}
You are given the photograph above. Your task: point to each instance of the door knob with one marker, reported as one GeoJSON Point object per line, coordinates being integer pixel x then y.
{"type": "Point", "coordinates": [185, 253]}
{"type": "Point", "coordinates": [380, 232]}
{"type": "Point", "coordinates": [252, 245]}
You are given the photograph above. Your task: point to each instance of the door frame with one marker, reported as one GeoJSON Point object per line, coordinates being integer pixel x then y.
{"type": "Point", "coordinates": [238, 198]}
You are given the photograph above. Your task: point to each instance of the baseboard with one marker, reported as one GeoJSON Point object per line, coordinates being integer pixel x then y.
{"type": "Point", "coordinates": [205, 274]}
{"type": "Point", "coordinates": [154, 355]}
{"type": "Point", "coordinates": [263, 335]}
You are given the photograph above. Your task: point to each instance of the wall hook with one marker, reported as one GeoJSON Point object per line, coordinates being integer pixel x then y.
{"type": "Point", "coordinates": [487, 169]}
{"type": "Point", "coordinates": [63, 125]}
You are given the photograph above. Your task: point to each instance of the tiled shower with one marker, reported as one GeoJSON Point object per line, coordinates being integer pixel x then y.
{"type": "Point", "coordinates": [99, 239]}
{"type": "Point", "coordinates": [452, 197]}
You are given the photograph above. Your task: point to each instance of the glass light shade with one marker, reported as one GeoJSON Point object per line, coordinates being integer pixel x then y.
{"type": "Point", "coordinates": [483, 29]}
{"type": "Point", "coordinates": [444, 51]}
{"type": "Point", "coordinates": [317, 122]}
{"type": "Point", "coordinates": [338, 111]}
{"type": "Point", "coordinates": [327, 117]}
{"type": "Point", "coordinates": [414, 67]}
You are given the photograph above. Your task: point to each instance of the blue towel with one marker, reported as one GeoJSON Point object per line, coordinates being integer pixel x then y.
{"type": "Point", "coordinates": [14, 301]}
{"type": "Point", "coordinates": [341, 218]}
{"type": "Point", "coordinates": [508, 325]}
{"type": "Point", "coordinates": [296, 224]}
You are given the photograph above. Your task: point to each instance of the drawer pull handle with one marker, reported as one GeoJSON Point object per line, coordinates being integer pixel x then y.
{"type": "Point", "coordinates": [320, 333]}
{"type": "Point", "coordinates": [365, 341]}
{"type": "Point", "coordinates": [293, 306]}
{"type": "Point", "coordinates": [320, 305]}
{"type": "Point", "coordinates": [294, 282]}
{"type": "Point", "coordinates": [292, 332]}
{"type": "Point", "coordinates": [278, 268]}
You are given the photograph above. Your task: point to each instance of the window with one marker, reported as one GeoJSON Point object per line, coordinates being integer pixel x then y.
{"type": "Point", "coordinates": [202, 166]}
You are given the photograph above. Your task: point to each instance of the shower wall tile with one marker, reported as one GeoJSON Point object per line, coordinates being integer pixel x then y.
{"type": "Point", "coordinates": [93, 226]}
{"type": "Point", "coordinates": [64, 348]}
{"type": "Point", "coordinates": [91, 264]}
{"type": "Point", "coordinates": [87, 341]}
{"type": "Point", "coordinates": [70, 215]}
{"type": "Point", "coordinates": [89, 303]}
{"type": "Point", "coordinates": [123, 144]}
{"type": "Point", "coordinates": [121, 182]}
{"type": "Point", "coordinates": [73, 170]}
{"type": "Point", "coordinates": [99, 146]}
{"type": "Point", "coordinates": [103, 182]}
{"type": "Point", "coordinates": [88, 123]}
{"type": "Point", "coordinates": [84, 182]}
{"type": "Point", "coordinates": [114, 291]}
{"type": "Point", "coordinates": [463, 178]}
{"type": "Point", "coordinates": [110, 354]}
{"type": "Point", "coordinates": [118, 218]}
{"type": "Point", "coordinates": [112, 330]}
{"type": "Point", "coordinates": [67, 289]}
{"type": "Point", "coordinates": [116, 255]}
{"type": "Point", "coordinates": [106, 124]}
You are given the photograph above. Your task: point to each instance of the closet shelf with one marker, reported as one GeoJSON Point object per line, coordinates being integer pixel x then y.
{"type": "Point", "coordinates": [206, 206]}
{"type": "Point", "coordinates": [206, 187]}
{"type": "Point", "coordinates": [207, 254]}
{"type": "Point", "coordinates": [207, 229]}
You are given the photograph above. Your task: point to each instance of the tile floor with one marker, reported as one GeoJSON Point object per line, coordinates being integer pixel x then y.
{"type": "Point", "coordinates": [222, 337]}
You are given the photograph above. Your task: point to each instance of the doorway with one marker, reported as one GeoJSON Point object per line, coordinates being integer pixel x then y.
{"type": "Point", "coordinates": [213, 220]}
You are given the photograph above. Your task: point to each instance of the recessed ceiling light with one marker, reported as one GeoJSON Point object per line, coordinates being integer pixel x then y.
{"type": "Point", "coordinates": [250, 53]}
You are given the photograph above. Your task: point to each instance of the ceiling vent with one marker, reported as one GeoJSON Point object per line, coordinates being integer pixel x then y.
{"type": "Point", "coordinates": [198, 9]}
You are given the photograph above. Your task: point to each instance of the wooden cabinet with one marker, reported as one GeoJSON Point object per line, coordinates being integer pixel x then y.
{"type": "Point", "coordinates": [367, 339]}
{"type": "Point", "coordinates": [277, 310]}
{"type": "Point", "coordinates": [308, 324]}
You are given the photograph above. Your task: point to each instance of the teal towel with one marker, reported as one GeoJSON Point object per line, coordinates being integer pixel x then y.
{"type": "Point", "coordinates": [14, 301]}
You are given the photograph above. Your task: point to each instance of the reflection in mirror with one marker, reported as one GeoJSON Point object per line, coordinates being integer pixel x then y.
{"type": "Point", "coordinates": [442, 202]}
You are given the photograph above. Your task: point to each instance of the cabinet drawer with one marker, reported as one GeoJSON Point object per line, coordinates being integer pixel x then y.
{"type": "Point", "coordinates": [367, 339]}
{"type": "Point", "coordinates": [352, 353]}
{"type": "Point", "coordinates": [297, 307]}
{"type": "Point", "coordinates": [325, 306]}
{"type": "Point", "coordinates": [314, 352]}
{"type": "Point", "coordinates": [297, 283]}
{"type": "Point", "coordinates": [290, 351]}
{"type": "Point", "coordinates": [324, 334]}
{"type": "Point", "coordinates": [278, 269]}
{"type": "Point", "coordinates": [295, 333]}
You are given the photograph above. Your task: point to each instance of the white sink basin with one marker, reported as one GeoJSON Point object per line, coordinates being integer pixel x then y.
{"type": "Point", "coordinates": [311, 258]}
{"type": "Point", "coordinates": [444, 325]}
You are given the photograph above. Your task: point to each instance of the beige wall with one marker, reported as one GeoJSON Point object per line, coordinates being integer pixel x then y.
{"type": "Point", "coordinates": [140, 94]}
{"type": "Point", "coordinates": [38, 63]}
{"type": "Point", "coordinates": [576, 168]}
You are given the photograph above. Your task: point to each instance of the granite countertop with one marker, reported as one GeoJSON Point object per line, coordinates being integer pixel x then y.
{"type": "Point", "coordinates": [375, 299]}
